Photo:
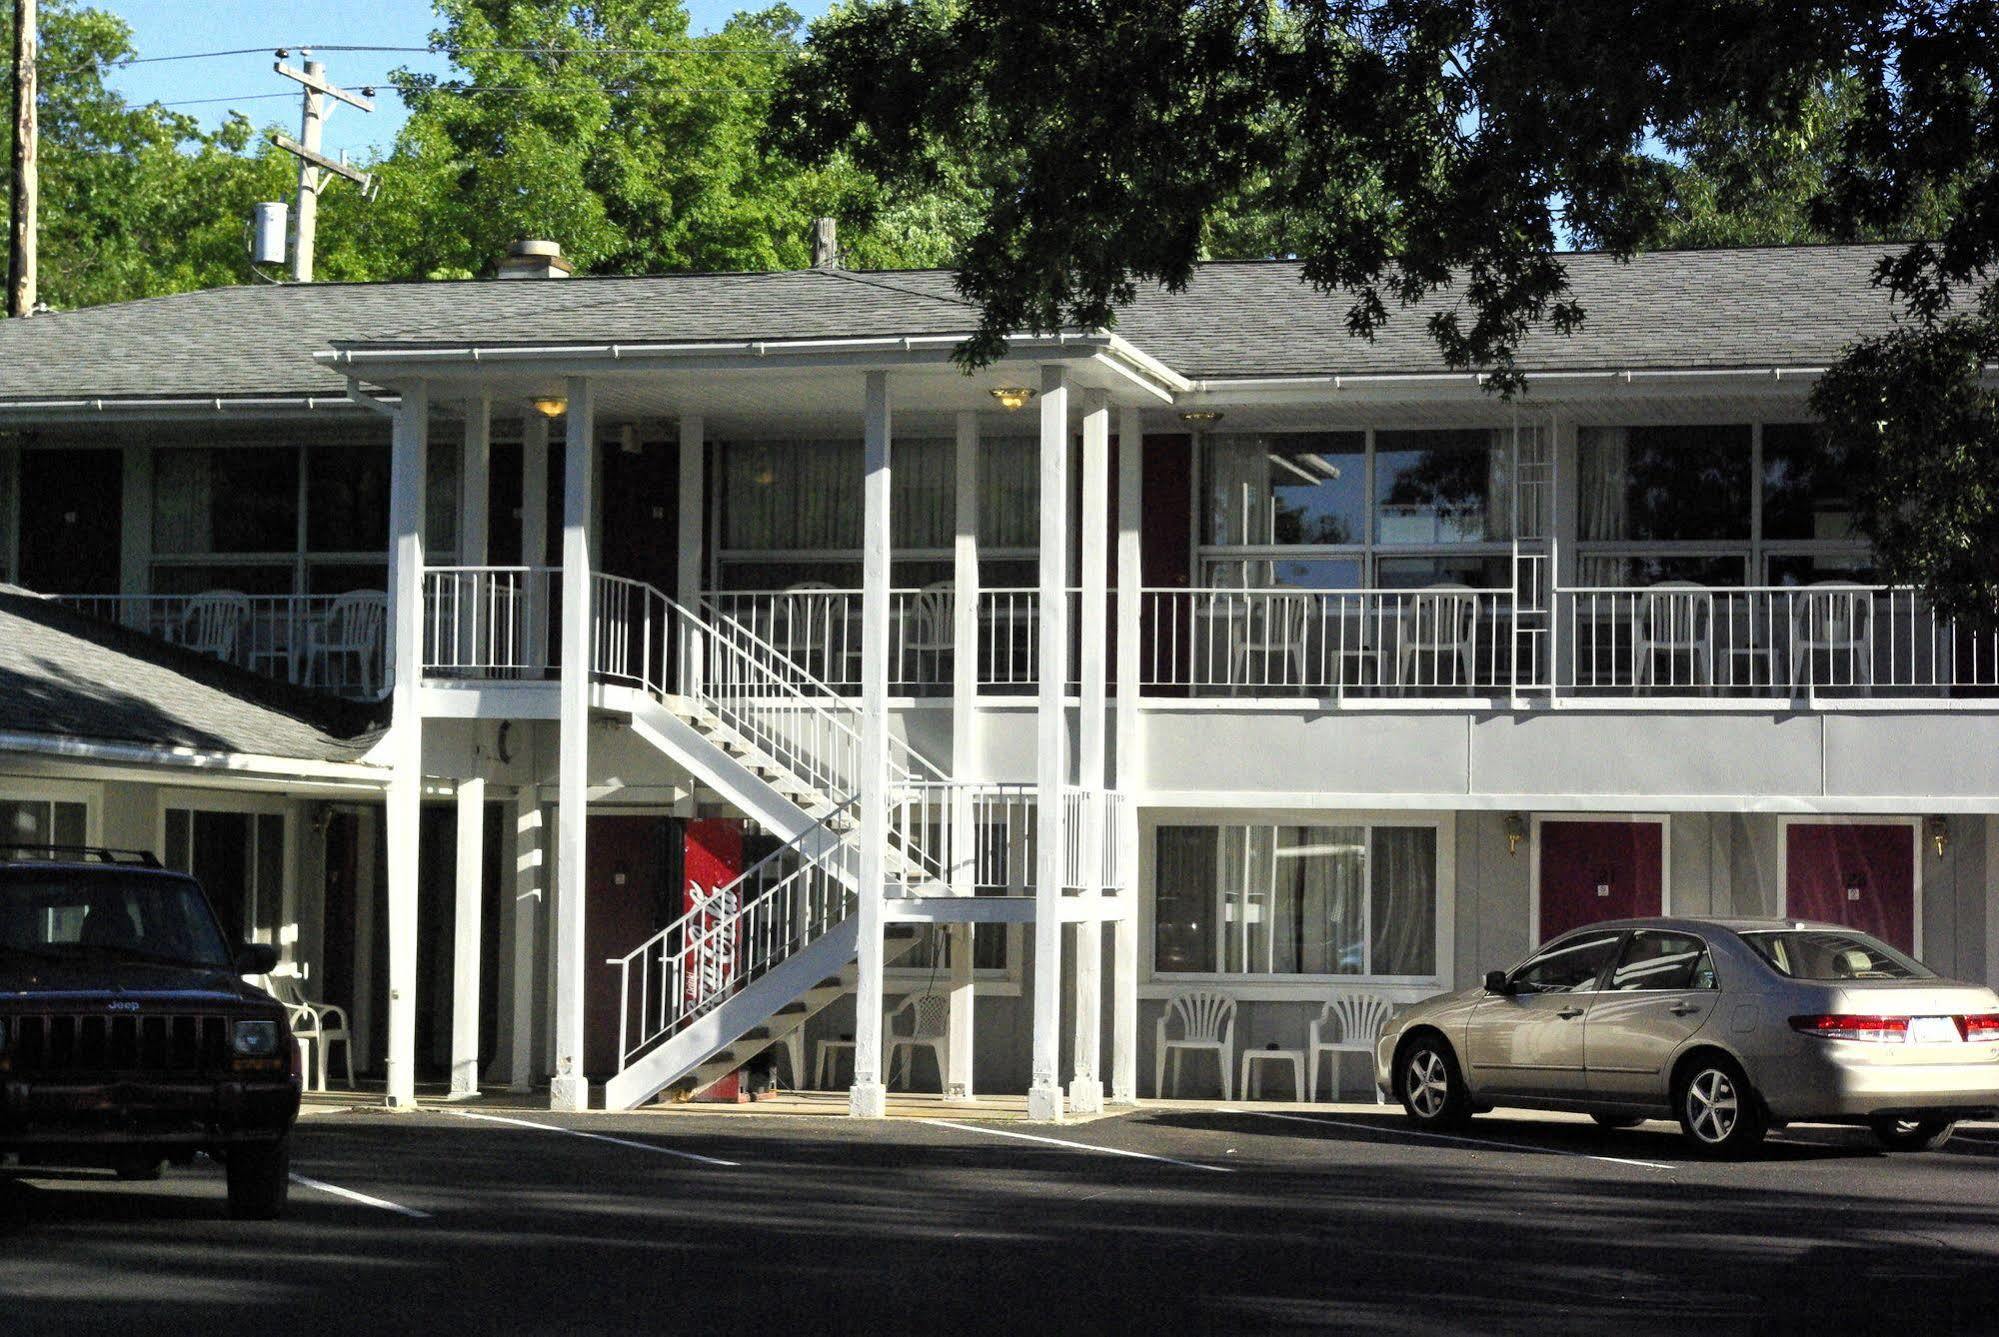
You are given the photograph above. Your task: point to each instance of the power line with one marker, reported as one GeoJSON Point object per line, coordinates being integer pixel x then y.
{"type": "Point", "coordinates": [702, 49]}
{"type": "Point", "coordinates": [484, 90]}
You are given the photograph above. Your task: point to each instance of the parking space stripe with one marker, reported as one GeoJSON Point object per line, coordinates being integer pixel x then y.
{"type": "Point", "coordinates": [322, 1186]}
{"type": "Point", "coordinates": [1078, 1146]}
{"type": "Point", "coordinates": [599, 1137]}
{"type": "Point", "coordinates": [1448, 1137]}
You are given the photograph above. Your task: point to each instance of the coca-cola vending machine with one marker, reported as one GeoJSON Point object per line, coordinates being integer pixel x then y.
{"type": "Point", "coordinates": [713, 859]}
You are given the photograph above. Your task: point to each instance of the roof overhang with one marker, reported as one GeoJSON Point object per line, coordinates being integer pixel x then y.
{"type": "Point", "coordinates": [230, 767]}
{"type": "Point", "coordinates": [180, 407]}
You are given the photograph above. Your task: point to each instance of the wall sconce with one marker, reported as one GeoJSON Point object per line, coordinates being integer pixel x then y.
{"type": "Point", "coordinates": [1938, 831]}
{"type": "Point", "coordinates": [1516, 831]}
{"type": "Point", "coordinates": [1012, 397]}
{"type": "Point", "coordinates": [550, 406]}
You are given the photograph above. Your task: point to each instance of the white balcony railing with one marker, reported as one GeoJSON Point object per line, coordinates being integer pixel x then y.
{"type": "Point", "coordinates": [490, 621]}
{"type": "Point", "coordinates": [330, 641]}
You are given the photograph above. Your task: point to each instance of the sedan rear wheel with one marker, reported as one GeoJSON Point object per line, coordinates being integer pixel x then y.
{"type": "Point", "coordinates": [1719, 1112]}
{"type": "Point", "coordinates": [1912, 1134]}
{"type": "Point", "coordinates": [1432, 1089]}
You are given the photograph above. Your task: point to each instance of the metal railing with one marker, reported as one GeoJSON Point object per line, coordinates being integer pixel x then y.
{"type": "Point", "coordinates": [490, 621]}
{"type": "Point", "coordinates": [284, 636]}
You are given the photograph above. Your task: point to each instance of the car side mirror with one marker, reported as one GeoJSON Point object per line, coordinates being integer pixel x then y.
{"type": "Point", "coordinates": [1496, 982]}
{"type": "Point", "coordinates": [256, 958]}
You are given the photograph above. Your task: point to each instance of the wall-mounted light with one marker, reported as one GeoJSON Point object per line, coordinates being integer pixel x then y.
{"type": "Point", "coordinates": [550, 406]}
{"type": "Point", "coordinates": [1516, 831]}
{"type": "Point", "coordinates": [1200, 417]}
{"type": "Point", "coordinates": [1012, 397]}
{"type": "Point", "coordinates": [1938, 831]}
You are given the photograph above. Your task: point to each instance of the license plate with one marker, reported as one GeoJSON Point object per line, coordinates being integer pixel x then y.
{"type": "Point", "coordinates": [1933, 1031]}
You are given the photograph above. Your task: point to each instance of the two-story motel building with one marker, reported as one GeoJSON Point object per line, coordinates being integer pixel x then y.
{"type": "Point", "coordinates": [740, 666]}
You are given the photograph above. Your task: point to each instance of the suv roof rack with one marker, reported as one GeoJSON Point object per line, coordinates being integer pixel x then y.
{"type": "Point", "coordinates": [79, 854]}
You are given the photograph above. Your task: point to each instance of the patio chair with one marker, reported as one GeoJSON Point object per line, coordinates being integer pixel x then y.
{"type": "Point", "coordinates": [1438, 627]}
{"type": "Point", "coordinates": [351, 628]}
{"type": "Point", "coordinates": [1836, 619]}
{"type": "Point", "coordinates": [1675, 618]}
{"type": "Point", "coordinates": [1269, 633]}
{"type": "Point", "coordinates": [928, 633]}
{"type": "Point", "coordinates": [325, 1024]}
{"type": "Point", "coordinates": [1360, 1017]}
{"type": "Point", "coordinates": [214, 623]}
{"type": "Point", "coordinates": [930, 1028]}
{"type": "Point", "coordinates": [1207, 1023]}
{"type": "Point", "coordinates": [802, 628]}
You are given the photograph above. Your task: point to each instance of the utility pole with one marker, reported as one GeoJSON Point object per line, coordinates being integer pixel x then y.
{"type": "Point", "coordinates": [24, 188]}
{"type": "Point", "coordinates": [313, 166]}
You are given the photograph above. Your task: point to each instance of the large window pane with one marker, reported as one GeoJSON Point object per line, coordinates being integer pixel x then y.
{"type": "Point", "coordinates": [1294, 488]}
{"type": "Point", "coordinates": [1403, 914]}
{"type": "Point", "coordinates": [1319, 909]}
{"type": "Point", "coordinates": [1805, 492]}
{"type": "Point", "coordinates": [1480, 573]}
{"type": "Point", "coordinates": [1663, 484]}
{"type": "Point", "coordinates": [1440, 487]}
{"type": "Point", "coordinates": [1284, 573]}
{"type": "Point", "coordinates": [1183, 937]}
{"type": "Point", "coordinates": [228, 500]}
{"type": "Point", "coordinates": [347, 499]}
{"type": "Point", "coordinates": [1009, 492]}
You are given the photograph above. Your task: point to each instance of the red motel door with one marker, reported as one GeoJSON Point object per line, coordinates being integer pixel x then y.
{"type": "Point", "coordinates": [1859, 874]}
{"type": "Point", "coordinates": [1594, 870]}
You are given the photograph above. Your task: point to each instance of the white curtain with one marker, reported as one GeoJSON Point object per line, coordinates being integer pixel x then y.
{"type": "Point", "coordinates": [183, 502]}
{"type": "Point", "coordinates": [1403, 874]}
{"type": "Point", "coordinates": [806, 496]}
{"type": "Point", "coordinates": [1320, 906]}
{"type": "Point", "coordinates": [1010, 492]}
{"type": "Point", "coordinates": [1603, 507]}
{"type": "Point", "coordinates": [1241, 508]}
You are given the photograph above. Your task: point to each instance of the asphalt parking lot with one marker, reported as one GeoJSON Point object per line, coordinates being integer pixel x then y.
{"type": "Point", "coordinates": [1167, 1220]}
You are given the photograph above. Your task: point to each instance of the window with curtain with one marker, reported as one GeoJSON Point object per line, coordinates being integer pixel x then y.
{"type": "Point", "coordinates": [1262, 900]}
{"type": "Point", "coordinates": [38, 822]}
{"type": "Point", "coordinates": [1664, 503]}
{"type": "Point", "coordinates": [1290, 489]}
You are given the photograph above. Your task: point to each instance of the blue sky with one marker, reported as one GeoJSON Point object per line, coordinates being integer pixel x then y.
{"type": "Point", "coordinates": [172, 27]}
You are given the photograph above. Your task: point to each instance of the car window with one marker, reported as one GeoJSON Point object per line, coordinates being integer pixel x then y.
{"type": "Point", "coordinates": [1833, 954]}
{"type": "Point", "coordinates": [1569, 965]}
{"type": "Point", "coordinates": [136, 915]}
{"type": "Point", "coordinates": [1656, 959]}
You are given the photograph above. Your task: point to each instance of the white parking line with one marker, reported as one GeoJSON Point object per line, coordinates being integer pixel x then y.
{"type": "Point", "coordinates": [304, 1182]}
{"type": "Point", "coordinates": [1078, 1146]}
{"type": "Point", "coordinates": [1447, 1137]}
{"type": "Point", "coordinates": [598, 1137]}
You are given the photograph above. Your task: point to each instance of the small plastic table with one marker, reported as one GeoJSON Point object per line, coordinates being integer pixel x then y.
{"type": "Point", "coordinates": [1255, 1060]}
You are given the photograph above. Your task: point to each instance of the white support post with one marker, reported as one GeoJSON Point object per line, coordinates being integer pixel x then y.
{"type": "Point", "coordinates": [405, 801]}
{"type": "Point", "coordinates": [529, 863]}
{"type": "Point", "coordinates": [1130, 581]}
{"type": "Point", "coordinates": [1086, 1087]}
{"type": "Point", "coordinates": [135, 546]}
{"type": "Point", "coordinates": [869, 1097]}
{"type": "Point", "coordinates": [962, 1028]}
{"type": "Point", "coordinates": [466, 927]}
{"type": "Point", "coordinates": [570, 1089]}
{"type": "Point", "coordinates": [1044, 1094]}
{"type": "Point", "coordinates": [693, 510]}
{"type": "Point", "coordinates": [475, 473]}
{"type": "Point", "coordinates": [534, 532]}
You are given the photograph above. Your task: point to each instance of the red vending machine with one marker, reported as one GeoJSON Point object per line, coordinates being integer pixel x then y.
{"type": "Point", "coordinates": [713, 858]}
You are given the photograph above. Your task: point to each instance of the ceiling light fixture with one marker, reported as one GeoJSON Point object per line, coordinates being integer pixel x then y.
{"type": "Point", "coordinates": [1012, 397]}
{"type": "Point", "coordinates": [550, 406]}
{"type": "Point", "coordinates": [1200, 417]}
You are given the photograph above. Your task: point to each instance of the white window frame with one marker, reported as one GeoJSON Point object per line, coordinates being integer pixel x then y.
{"type": "Point", "coordinates": [27, 789]}
{"type": "Point", "coordinates": [1539, 820]}
{"type": "Point", "coordinates": [1915, 825]}
{"type": "Point", "coordinates": [1154, 983]}
{"type": "Point", "coordinates": [249, 805]}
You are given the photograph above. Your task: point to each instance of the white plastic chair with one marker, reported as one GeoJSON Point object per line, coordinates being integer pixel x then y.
{"type": "Point", "coordinates": [352, 627]}
{"type": "Point", "coordinates": [802, 627]}
{"type": "Point", "coordinates": [213, 623]}
{"type": "Point", "coordinates": [1437, 628]}
{"type": "Point", "coordinates": [325, 1024]}
{"type": "Point", "coordinates": [930, 1029]}
{"type": "Point", "coordinates": [928, 633]}
{"type": "Point", "coordinates": [1269, 634]}
{"type": "Point", "coordinates": [1833, 618]}
{"type": "Point", "coordinates": [1207, 1023]}
{"type": "Point", "coordinates": [1359, 1017]}
{"type": "Point", "coordinates": [1674, 618]}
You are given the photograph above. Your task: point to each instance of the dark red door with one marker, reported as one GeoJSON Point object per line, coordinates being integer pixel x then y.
{"type": "Point", "coordinates": [1860, 874]}
{"type": "Point", "coordinates": [1594, 870]}
{"type": "Point", "coordinates": [629, 870]}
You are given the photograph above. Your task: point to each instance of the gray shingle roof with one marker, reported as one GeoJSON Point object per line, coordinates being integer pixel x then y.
{"type": "Point", "coordinates": [1697, 309]}
{"type": "Point", "coordinates": [72, 676]}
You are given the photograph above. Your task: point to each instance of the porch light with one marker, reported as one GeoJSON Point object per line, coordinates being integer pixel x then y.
{"type": "Point", "coordinates": [1200, 417]}
{"type": "Point", "coordinates": [1939, 833]}
{"type": "Point", "coordinates": [1012, 397]}
{"type": "Point", "coordinates": [1516, 831]}
{"type": "Point", "coordinates": [550, 406]}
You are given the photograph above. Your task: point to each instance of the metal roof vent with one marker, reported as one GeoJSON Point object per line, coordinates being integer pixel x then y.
{"type": "Point", "coordinates": [535, 260]}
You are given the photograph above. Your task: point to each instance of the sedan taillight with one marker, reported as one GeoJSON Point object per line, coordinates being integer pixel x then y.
{"type": "Point", "coordinates": [1983, 1027]}
{"type": "Point", "coordinates": [1838, 1026]}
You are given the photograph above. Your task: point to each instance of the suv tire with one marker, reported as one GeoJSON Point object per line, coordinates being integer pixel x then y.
{"type": "Point", "coordinates": [259, 1179]}
{"type": "Point", "coordinates": [1430, 1085]}
{"type": "Point", "coordinates": [1720, 1113]}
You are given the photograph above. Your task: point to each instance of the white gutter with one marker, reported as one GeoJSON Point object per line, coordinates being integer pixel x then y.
{"type": "Point", "coordinates": [247, 764]}
{"type": "Point", "coordinates": [204, 404]}
{"type": "Point", "coordinates": [754, 348]}
{"type": "Point", "coordinates": [1626, 376]}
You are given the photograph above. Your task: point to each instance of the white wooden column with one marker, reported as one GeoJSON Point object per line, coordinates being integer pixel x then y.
{"type": "Point", "coordinates": [1130, 581]}
{"type": "Point", "coordinates": [1044, 1094]}
{"type": "Point", "coordinates": [570, 1089]}
{"type": "Point", "coordinates": [534, 531]}
{"type": "Point", "coordinates": [475, 472]}
{"type": "Point", "coordinates": [135, 546]}
{"type": "Point", "coordinates": [964, 747]}
{"type": "Point", "coordinates": [411, 442]}
{"type": "Point", "coordinates": [529, 863]}
{"type": "Point", "coordinates": [1086, 1087]}
{"type": "Point", "coordinates": [869, 1097]}
{"type": "Point", "coordinates": [693, 496]}
{"type": "Point", "coordinates": [465, 930]}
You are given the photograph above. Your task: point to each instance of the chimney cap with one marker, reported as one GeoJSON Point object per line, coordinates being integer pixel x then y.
{"type": "Point", "coordinates": [534, 258]}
